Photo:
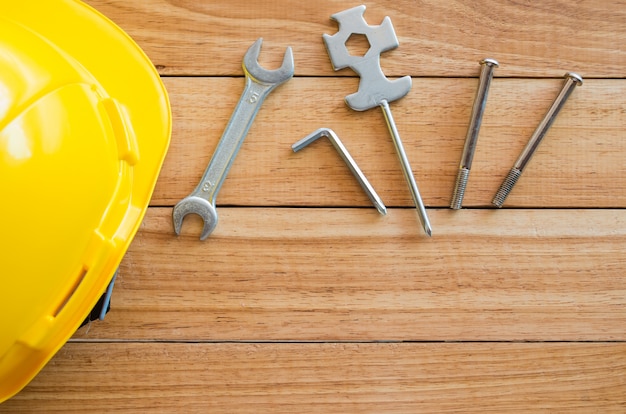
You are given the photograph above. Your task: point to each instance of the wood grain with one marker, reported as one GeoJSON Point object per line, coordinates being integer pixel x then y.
{"type": "Point", "coordinates": [330, 378]}
{"type": "Point", "coordinates": [579, 163]}
{"type": "Point", "coordinates": [305, 299]}
{"type": "Point", "coordinates": [190, 37]}
{"type": "Point", "coordinates": [351, 274]}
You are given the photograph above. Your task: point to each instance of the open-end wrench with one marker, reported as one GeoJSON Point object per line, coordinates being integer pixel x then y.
{"type": "Point", "coordinates": [259, 83]}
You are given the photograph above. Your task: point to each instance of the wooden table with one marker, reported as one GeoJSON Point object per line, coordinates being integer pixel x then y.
{"type": "Point", "coordinates": [305, 299]}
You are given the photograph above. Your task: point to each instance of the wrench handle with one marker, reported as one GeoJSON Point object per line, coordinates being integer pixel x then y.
{"type": "Point", "coordinates": [234, 134]}
{"type": "Point", "coordinates": [406, 168]}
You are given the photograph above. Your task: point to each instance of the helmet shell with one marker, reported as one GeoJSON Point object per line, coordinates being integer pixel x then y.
{"type": "Point", "coordinates": [84, 127]}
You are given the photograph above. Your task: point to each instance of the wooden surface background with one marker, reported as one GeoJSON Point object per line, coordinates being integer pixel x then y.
{"type": "Point", "coordinates": [304, 299]}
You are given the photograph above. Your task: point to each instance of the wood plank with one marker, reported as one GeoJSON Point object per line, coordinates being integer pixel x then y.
{"type": "Point", "coordinates": [351, 274]}
{"type": "Point", "coordinates": [579, 164]}
{"type": "Point", "coordinates": [304, 298]}
{"type": "Point", "coordinates": [436, 38]}
{"type": "Point", "coordinates": [329, 378]}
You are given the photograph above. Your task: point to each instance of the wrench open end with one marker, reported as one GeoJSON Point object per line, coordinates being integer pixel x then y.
{"type": "Point", "coordinates": [258, 73]}
{"type": "Point", "coordinates": [199, 206]}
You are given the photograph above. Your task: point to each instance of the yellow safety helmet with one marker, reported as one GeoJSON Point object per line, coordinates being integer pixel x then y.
{"type": "Point", "coordinates": [84, 127]}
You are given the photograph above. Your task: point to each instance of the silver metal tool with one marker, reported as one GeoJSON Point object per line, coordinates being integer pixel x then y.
{"type": "Point", "coordinates": [374, 87]}
{"type": "Point", "coordinates": [471, 139]}
{"type": "Point", "coordinates": [571, 81]}
{"type": "Point", "coordinates": [334, 139]}
{"type": "Point", "coordinates": [259, 83]}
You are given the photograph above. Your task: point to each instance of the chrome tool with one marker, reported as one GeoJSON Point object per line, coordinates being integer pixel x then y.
{"type": "Point", "coordinates": [259, 83]}
{"type": "Point", "coordinates": [345, 155]}
{"type": "Point", "coordinates": [374, 87]}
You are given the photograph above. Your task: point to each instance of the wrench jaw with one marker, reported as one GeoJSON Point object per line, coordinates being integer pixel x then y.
{"type": "Point", "coordinates": [270, 77]}
{"type": "Point", "coordinates": [199, 206]}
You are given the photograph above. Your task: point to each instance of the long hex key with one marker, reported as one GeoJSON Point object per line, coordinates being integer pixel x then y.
{"type": "Point", "coordinates": [345, 155]}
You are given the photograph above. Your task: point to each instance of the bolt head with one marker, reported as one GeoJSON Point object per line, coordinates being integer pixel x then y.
{"type": "Point", "coordinates": [575, 77]}
{"type": "Point", "coordinates": [490, 62]}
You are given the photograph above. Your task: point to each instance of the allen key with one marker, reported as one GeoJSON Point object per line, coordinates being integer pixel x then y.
{"type": "Point", "coordinates": [345, 155]}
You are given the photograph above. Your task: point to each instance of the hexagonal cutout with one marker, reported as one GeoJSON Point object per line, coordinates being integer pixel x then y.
{"type": "Point", "coordinates": [357, 44]}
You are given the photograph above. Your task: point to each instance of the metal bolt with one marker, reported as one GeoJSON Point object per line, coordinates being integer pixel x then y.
{"type": "Point", "coordinates": [471, 139]}
{"type": "Point", "coordinates": [571, 81]}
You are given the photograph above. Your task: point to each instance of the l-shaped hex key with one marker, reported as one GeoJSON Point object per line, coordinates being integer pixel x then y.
{"type": "Point", "coordinates": [334, 139]}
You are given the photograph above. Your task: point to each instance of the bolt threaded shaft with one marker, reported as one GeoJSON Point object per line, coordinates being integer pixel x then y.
{"type": "Point", "coordinates": [506, 187]}
{"type": "Point", "coordinates": [459, 188]}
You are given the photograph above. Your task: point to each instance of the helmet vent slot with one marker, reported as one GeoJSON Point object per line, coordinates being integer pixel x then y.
{"type": "Point", "coordinates": [70, 293]}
